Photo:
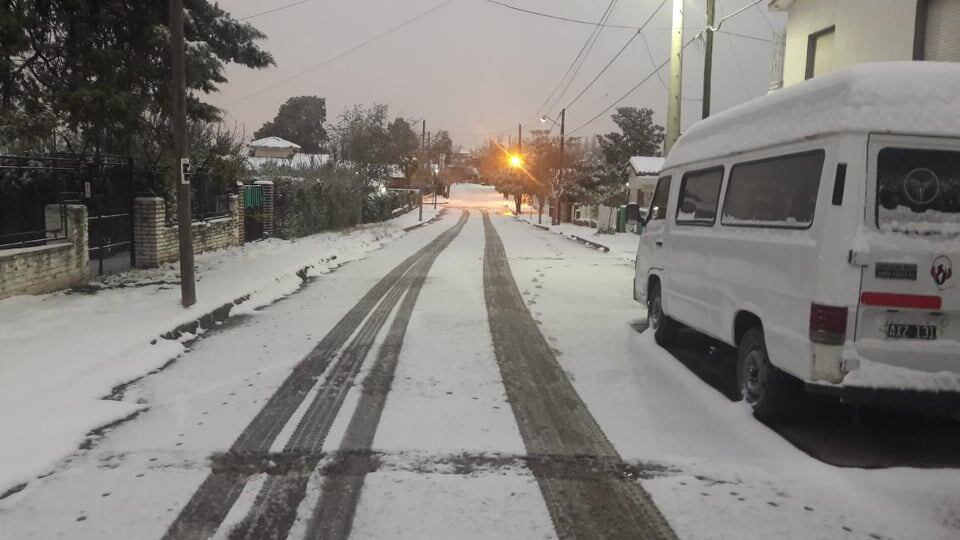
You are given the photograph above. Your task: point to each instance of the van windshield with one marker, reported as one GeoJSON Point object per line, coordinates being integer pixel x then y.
{"type": "Point", "coordinates": [918, 191]}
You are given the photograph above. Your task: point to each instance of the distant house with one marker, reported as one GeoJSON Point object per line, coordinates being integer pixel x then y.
{"type": "Point", "coordinates": [644, 172]}
{"type": "Point", "coordinates": [825, 35]}
{"type": "Point", "coordinates": [273, 147]}
{"type": "Point", "coordinates": [296, 161]}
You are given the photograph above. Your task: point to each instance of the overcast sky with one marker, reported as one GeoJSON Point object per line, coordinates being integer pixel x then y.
{"type": "Point", "coordinates": [474, 68]}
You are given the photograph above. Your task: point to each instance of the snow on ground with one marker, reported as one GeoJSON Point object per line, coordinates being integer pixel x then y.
{"type": "Point", "coordinates": [197, 406]}
{"type": "Point", "coordinates": [728, 476]}
{"type": "Point", "coordinates": [447, 401]}
{"type": "Point", "coordinates": [621, 245]}
{"type": "Point", "coordinates": [61, 353]}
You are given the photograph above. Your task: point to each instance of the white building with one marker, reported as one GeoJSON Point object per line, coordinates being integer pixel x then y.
{"type": "Point", "coordinates": [824, 35]}
{"type": "Point", "coordinates": [644, 171]}
{"type": "Point", "coordinates": [273, 147]}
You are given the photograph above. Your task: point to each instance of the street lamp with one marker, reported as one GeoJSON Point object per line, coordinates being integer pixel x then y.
{"type": "Point", "coordinates": [562, 124]}
{"type": "Point", "coordinates": [515, 161]}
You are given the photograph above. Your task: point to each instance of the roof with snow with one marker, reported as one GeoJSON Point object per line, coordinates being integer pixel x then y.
{"type": "Point", "coordinates": [274, 142]}
{"type": "Point", "coordinates": [646, 165]}
{"type": "Point", "coordinates": [910, 98]}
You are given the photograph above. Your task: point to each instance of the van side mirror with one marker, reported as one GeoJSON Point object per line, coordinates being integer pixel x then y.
{"type": "Point", "coordinates": [633, 214]}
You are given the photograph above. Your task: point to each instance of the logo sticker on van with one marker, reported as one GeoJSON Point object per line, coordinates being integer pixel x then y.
{"type": "Point", "coordinates": [942, 271]}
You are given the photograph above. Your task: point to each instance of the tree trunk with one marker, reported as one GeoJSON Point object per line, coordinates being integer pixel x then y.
{"type": "Point", "coordinates": [518, 199]}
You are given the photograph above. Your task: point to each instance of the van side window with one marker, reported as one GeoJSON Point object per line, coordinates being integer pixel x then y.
{"type": "Point", "coordinates": [779, 192]}
{"type": "Point", "coordinates": [699, 197]}
{"type": "Point", "coordinates": [658, 207]}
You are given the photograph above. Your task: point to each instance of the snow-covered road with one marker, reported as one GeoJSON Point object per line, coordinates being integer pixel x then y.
{"type": "Point", "coordinates": [387, 416]}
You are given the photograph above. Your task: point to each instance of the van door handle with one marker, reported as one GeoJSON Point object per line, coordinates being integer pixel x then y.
{"type": "Point", "coordinates": [659, 243]}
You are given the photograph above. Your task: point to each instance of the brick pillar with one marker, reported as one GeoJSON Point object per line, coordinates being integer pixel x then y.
{"type": "Point", "coordinates": [241, 209]}
{"type": "Point", "coordinates": [234, 206]}
{"type": "Point", "coordinates": [149, 221]}
{"type": "Point", "coordinates": [269, 209]}
{"type": "Point", "coordinates": [75, 233]}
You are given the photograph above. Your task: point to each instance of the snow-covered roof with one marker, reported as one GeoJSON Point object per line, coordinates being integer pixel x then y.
{"type": "Point", "coordinates": [297, 161]}
{"type": "Point", "coordinates": [274, 142]}
{"type": "Point", "coordinates": [646, 165]}
{"type": "Point", "coordinates": [913, 98]}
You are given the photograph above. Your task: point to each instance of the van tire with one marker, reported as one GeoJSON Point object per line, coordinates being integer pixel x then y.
{"type": "Point", "coordinates": [664, 328]}
{"type": "Point", "coordinates": [771, 393]}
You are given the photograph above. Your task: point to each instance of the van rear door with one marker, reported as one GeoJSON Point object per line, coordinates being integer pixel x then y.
{"type": "Point", "coordinates": [909, 311]}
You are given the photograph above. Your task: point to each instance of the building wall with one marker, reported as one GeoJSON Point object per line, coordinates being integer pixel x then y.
{"type": "Point", "coordinates": [271, 152]}
{"type": "Point", "coordinates": [43, 269]}
{"type": "Point", "coordinates": [866, 31]}
{"type": "Point", "coordinates": [157, 243]}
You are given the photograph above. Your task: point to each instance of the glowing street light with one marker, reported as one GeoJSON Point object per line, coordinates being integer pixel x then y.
{"type": "Point", "coordinates": [515, 161]}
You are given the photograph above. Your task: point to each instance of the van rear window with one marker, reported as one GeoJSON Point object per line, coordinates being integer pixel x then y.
{"type": "Point", "coordinates": [699, 197]}
{"type": "Point", "coordinates": [918, 191]}
{"type": "Point", "coordinates": [779, 192]}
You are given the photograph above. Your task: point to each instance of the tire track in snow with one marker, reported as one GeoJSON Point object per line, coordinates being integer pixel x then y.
{"type": "Point", "coordinates": [209, 505]}
{"type": "Point", "coordinates": [333, 515]}
{"type": "Point", "coordinates": [275, 509]}
{"type": "Point", "coordinates": [553, 420]}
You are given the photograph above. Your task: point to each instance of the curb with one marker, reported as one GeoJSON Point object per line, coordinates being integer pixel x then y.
{"type": "Point", "coordinates": [572, 237]}
{"type": "Point", "coordinates": [431, 220]}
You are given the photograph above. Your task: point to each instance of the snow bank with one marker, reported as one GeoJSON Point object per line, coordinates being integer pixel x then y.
{"type": "Point", "coordinates": [62, 353]}
{"type": "Point", "coordinates": [893, 97]}
{"type": "Point", "coordinates": [621, 245]}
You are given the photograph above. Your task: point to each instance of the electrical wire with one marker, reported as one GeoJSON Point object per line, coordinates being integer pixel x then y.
{"type": "Point", "coordinates": [576, 72]}
{"type": "Point", "coordinates": [627, 94]}
{"type": "Point", "coordinates": [744, 36]}
{"type": "Point", "coordinates": [544, 109]}
{"type": "Point", "coordinates": [332, 59]}
{"type": "Point", "coordinates": [558, 18]}
{"type": "Point", "coordinates": [274, 10]}
{"type": "Point", "coordinates": [614, 59]}
{"type": "Point", "coordinates": [736, 59]}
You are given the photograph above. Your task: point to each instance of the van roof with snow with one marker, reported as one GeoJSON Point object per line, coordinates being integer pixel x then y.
{"type": "Point", "coordinates": [911, 98]}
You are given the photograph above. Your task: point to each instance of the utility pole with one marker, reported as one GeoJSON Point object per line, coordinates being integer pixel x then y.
{"type": "Point", "coordinates": [188, 292]}
{"type": "Point", "coordinates": [676, 77]}
{"type": "Point", "coordinates": [708, 57]}
{"type": "Point", "coordinates": [520, 139]}
{"type": "Point", "coordinates": [433, 180]}
{"type": "Point", "coordinates": [563, 137]}
{"type": "Point", "coordinates": [423, 147]}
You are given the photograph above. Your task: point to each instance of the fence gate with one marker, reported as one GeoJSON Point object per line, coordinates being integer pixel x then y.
{"type": "Point", "coordinates": [107, 191]}
{"type": "Point", "coordinates": [252, 213]}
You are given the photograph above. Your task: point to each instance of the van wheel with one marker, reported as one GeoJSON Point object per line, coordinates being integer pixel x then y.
{"type": "Point", "coordinates": [771, 393]}
{"type": "Point", "coordinates": [664, 328]}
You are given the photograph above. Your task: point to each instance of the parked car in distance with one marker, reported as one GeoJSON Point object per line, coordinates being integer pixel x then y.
{"type": "Point", "coordinates": [815, 229]}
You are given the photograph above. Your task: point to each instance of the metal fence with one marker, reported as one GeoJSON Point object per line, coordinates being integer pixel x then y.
{"type": "Point", "coordinates": [27, 185]}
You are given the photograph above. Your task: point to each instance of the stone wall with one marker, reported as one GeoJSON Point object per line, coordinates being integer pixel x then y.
{"type": "Point", "coordinates": [157, 243]}
{"type": "Point", "coordinates": [61, 264]}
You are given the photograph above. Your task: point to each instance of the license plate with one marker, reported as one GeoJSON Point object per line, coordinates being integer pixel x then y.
{"type": "Point", "coordinates": [911, 331]}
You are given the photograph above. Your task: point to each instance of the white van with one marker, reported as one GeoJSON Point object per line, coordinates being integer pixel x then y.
{"type": "Point", "coordinates": [815, 229]}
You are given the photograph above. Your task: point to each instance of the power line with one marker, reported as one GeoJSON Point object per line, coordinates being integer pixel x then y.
{"type": "Point", "coordinates": [355, 48]}
{"type": "Point", "coordinates": [745, 36]}
{"type": "Point", "coordinates": [614, 59]}
{"type": "Point", "coordinates": [653, 62]}
{"type": "Point", "coordinates": [582, 61]}
{"type": "Point", "coordinates": [558, 18]}
{"type": "Point", "coordinates": [278, 8]}
{"type": "Point", "coordinates": [736, 58]}
{"type": "Point", "coordinates": [632, 90]}
{"type": "Point", "coordinates": [542, 107]}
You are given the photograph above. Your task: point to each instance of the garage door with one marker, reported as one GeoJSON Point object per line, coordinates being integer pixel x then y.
{"type": "Point", "coordinates": [942, 39]}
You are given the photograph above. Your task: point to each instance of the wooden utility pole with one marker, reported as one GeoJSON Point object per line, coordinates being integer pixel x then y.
{"type": "Point", "coordinates": [520, 139]}
{"type": "Point", "coordinates": [188, 293]}
{"type": "Point", "coordinates": [708, 57]}
{"type": "Point", "coordinates": [423, 147]}
{"type": "Point", "coordinates": [563, 140]}
{"type": "Point", "coordinates": [676, 77]}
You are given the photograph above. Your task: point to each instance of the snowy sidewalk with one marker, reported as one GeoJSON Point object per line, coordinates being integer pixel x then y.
{"type": "Point", "coordinates": [622, 245]}
{"type": "Point", "coordinates": [62, 353]}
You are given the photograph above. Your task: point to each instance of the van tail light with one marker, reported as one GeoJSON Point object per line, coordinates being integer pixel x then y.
{"type": "Point", "coordinates": [828, 324]}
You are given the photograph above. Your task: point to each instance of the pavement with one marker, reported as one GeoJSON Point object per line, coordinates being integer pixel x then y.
{"type": "Point", "coordinates": [473, 378]}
